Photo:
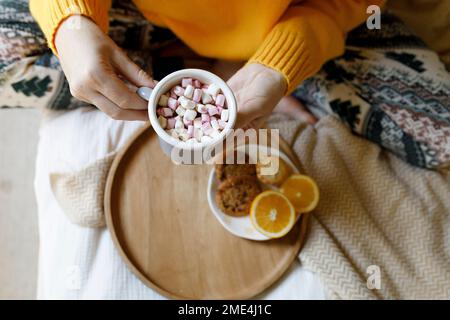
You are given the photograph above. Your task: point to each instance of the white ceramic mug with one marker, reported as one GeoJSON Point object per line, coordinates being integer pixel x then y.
{"type": "Point", "coordinates": [166, 141]}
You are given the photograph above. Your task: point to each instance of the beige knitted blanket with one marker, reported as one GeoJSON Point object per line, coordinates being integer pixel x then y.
{"type": "Point", "coordinates": [381, 229]}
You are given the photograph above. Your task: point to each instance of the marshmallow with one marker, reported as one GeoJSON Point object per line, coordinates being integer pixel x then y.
{"type": "Point", "coordinates": [186, 82]}
{"type": "Point", "coordinates": [213, 89]}
{"type": "Point", "coordinates": [206, 118]}
{"type": "Point", "coordinates": [173, 95]}
{"type": "Point", "coordinates": [197, 95]}
{"type": "Point", "coordinates": [186, 122]}
{"type": "Point", "coordinates": [197, 123]}
{"type": "Point", "coordinates": [215, 124]}
{"type": "Point", "coordinates": [172, 103]}
{"type": "Point", "coordinates": [198, 134]}
{"type": "Point", "coordinates": [189, 91]}
{"type": "Point", "coordinates": [179, 91]}
{"type": "Point", "coordinates": [222, 124]}
{"type": "Point", "coordinates": [219, 110]}
{"type": "Point", "coordinates": [173, 133]}
{"type": "Point", "coordinates": [212, 110]}
{"type": "Point", "coordinates": [207, 129]}
{"type": "Point", "coordinates": [163, 101]}
{"type": "Point", "coordinates": [179, 124]}
{"type": "Point", "coordinates": [190, 131]}
{"type": "Point", "coordinates": [206, 98]}
{"type": "Point", "coordinates": [159, 111]}
{"type": "Point", "coordinates": [184, 136]}
{"type": "Point", "coordinates": [162, 122]}
{"type": "Point", "coordinates": [201, 108]}
{"type": "Point", "coordinates": [190, 115]}
{"type": "Point", "coordinates": [224, 115]}
{"type": "Point", "coordinates": [220, 100]}
{"type": "Point", "coordinates": [167, 112]}
{"type": "Point", "coordinates": [180, 111]}
{"type": "Point", "coordinates": [197, 83]}
{"type": "Point", "coordinates": [171, 123]}
{"type": "Point", "coordinates": [186, 103]}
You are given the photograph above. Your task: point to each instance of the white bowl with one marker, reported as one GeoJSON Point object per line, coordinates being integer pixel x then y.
{"type": "Point", "coordinates": [168, 142]}
{"type": "Point", "coordinates": [242, 226]}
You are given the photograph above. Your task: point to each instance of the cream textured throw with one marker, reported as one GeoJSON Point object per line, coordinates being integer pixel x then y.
{"type": "Point", "coordinates": [81, 194]}
{"type": "Point", "coordinates": [376, 213]}
{"type": "Point", "coordinates": [375, 210]}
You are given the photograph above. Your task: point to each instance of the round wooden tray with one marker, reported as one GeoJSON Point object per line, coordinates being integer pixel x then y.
{"type": "Point", "coordinates": [160, 222]}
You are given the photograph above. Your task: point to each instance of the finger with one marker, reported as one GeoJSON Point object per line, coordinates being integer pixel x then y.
{"type": "Point", "coordinates": [131, 71]}
{"type": "Point", "coordinates": [112, 110]}
{"type": "Point", "coordinates": [113, 88]}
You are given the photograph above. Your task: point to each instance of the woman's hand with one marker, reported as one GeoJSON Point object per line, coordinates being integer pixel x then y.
{"type": "Point", "coordinates": [258, 90]}
{"type": "Point", "coordinates": [95, 66]}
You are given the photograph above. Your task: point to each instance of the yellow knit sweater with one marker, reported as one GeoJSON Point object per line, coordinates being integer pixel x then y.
{"type": "Point", "coordinates": [292, 37]}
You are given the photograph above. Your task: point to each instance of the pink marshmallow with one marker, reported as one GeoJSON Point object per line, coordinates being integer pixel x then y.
{"type": "Point", "coordinates": [186, 82]}
{"type": "Point", "coordinates": [171, 123]}
{"type": "Point", "coordinates": [220, 100]}
{"type": "Point", "coordinates": [187, 122]}
{"type": "Point", "coordinates": [212, 110]}
{"type": "Point", "coordinates": [172, 103]}
{"type": "Point", "coordinates": [159, 111]}
{"type": "Point", "coordinates": [190, 131]}
{"type": "Point", "coordinates": [197, 95]}
{"type": "Point", "coordinates": [167, 112]}
{"type": "Point", "coordinates": [206, 118]}
{"type": "Point", "coordinates": [179, 91]}
{"type": "Point", "coordinates": [173, 95]}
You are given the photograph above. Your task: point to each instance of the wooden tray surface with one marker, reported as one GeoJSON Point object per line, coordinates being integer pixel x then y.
{"type": "Point", "coordinates": [160, 221]}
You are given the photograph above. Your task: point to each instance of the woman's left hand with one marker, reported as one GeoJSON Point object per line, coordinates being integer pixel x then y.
{"type": "Point", "coordinates": [258, 89]}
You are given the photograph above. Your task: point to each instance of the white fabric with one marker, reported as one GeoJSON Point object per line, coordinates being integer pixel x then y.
{"type": "Point", "coordinates": [82, 263]}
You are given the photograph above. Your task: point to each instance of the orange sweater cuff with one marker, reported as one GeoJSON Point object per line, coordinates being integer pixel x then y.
{"type": "Point", "coordinates": [56, 11]}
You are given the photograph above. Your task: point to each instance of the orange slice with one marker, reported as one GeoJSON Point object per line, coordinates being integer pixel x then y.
{"type": "Point", "coordinates": [302, 192]}
{"type": "Point", "coordinates": [272, 214]}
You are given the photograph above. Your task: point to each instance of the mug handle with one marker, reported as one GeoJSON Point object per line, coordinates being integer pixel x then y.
{"type": "Point", "coordinates": [144, 92]}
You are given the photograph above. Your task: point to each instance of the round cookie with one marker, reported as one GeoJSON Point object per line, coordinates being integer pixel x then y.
{"type": "Point", "coordinates": [225, 171]}
{"type": "Point", "coordinates": [235, 195]}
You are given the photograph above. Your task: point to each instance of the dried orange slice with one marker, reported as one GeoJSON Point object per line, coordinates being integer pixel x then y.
{"type": "Point", "coordinates": [272, 214]}
{"type": "Point", "coordinates": [302, 192]}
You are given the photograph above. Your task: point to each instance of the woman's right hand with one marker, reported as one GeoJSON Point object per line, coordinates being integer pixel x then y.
{"type": "Point", "coordinates": [94, 66]}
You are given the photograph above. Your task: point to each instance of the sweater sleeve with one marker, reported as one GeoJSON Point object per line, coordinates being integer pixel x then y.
{"type": "Point", "coordinates": [308, 35]}
{"type": "Point", "coordinates": [51, 13]}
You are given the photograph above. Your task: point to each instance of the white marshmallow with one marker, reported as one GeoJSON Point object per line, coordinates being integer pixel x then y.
{"type": "Point", "coordinates": [197, 123]}
{"type": "Point", "coordinates": [202, 108]}
{"type": "Point", "coordinates": [179, 124]}
{"type": "Point", "coordinates": [186, 103]}
{"type": "Point", "coordinates": [215, 124]}
{"type": "Point", "coordinates": [189, 91]}
{"type": "Point", "coordinates": [213, 89]}
{"type": "Point", "coordinates": [184, 136]}
{"type": "Point", "coordinates": [214, 133]}
{"type": "Point", "coordinates": [190, 115]}
{"type": "Point", "coordinates": [180, 111]}
{"type": "Point", "coordinates": [163, 100]}
{"type": "Point", "coordinates": [198, 134]}
{"type": "Point", "coordinates": [173, 133]}
{"type": "Point", "coordinates": [206, 98]}
{"type": "Point", "coordinates": [225, 115]}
